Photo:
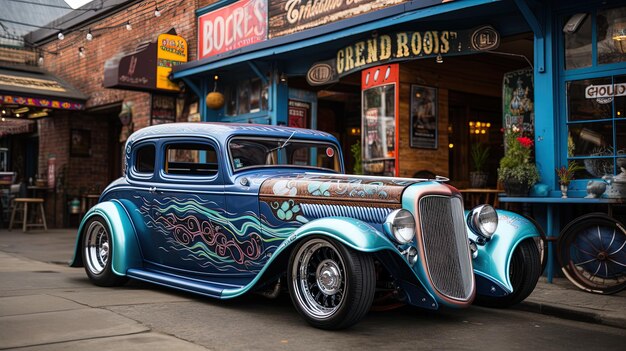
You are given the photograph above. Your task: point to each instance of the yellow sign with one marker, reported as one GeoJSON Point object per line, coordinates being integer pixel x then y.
{"type": "Point", "coordinates": [171, 51]}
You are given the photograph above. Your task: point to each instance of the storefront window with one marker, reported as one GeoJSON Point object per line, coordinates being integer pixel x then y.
{"type": "Point", "coordinates": [249, 96]}
{"type": "Point", "coordinates": [596, 123]}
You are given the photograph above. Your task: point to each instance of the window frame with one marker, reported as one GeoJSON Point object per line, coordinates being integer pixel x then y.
{"type": "Point", "coordinates": [183, 177]}
{"type": "Point", "coordinates": [595, 71]}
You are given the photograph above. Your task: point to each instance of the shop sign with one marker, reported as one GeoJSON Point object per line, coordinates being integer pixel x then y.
{"type": "Point", "coordinates": [31, 83]}
{"type": "Point", "coordinates": [320, 73]}
{"type": "Point", "coordinates": [37, 102]}
{"type": "Point", "coordinates": [232, 27]}
{"type": "Point", "coordinates": [403, 46]}
{"type": "Point", "coordinates": [148, 67]}
{"type": "Point", "coordinates": [292, 16]}
{"type": "Point", "coordinates": [298, 114]}
{"type": "Point", "coordinates": [605, 91]}
{"type": "Point", "coordinates": [171, 51]}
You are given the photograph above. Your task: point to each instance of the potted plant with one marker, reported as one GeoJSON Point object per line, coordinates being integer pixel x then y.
{"type": "Point", "coordinates": [517, 171]}
{"type": "Point", "coordinates": [566, 175]}
{"type": "Point", "coordinates": [480, 155]}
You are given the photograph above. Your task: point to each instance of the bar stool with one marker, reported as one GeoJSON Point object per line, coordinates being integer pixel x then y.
{"type": "Point", "coordinates": [24, 202]}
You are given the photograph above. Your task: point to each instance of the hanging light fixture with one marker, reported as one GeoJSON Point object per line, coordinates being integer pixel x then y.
{"type": "Point", "coordinates": [619, 34]}
{"type": "Point", "coordinates": [60, 36]}
{"type": "Point", "coordinates": [89, 36]}
{"type": "Point", "coordinates": [81, 52]}
{"type": "Point", "coordinates": [128, 26]}
{"type": "Point", "coordinates": [157, 13]}
{"type": "Point", "coordinates": [215, 100]}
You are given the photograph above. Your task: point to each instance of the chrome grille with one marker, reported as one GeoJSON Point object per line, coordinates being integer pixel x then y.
{"type": "Point", "coordinates": [446, 246]}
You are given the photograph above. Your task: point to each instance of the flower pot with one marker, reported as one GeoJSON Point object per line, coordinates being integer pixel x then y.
{"type": "Point", "coordinates": [515, 188]}
{"type": "Point", "coordinates": [478, 179]}
{"type": "Point", "coordinates": [563, 191]}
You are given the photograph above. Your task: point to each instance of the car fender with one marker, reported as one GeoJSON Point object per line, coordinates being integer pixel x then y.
{"type": "Point", "coordinates": [126, 253]}
{"type": "Point", "coordinates": [494, 258]}
{"type": "Point", "coordinates": [351, 232]}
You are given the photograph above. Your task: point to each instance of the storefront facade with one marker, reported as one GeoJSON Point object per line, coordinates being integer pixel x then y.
{"type": "Point", "coordinates": [456, 86]}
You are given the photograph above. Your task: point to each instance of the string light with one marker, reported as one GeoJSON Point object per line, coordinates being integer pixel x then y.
{"type": "Point", "coordinates": [89, 36]}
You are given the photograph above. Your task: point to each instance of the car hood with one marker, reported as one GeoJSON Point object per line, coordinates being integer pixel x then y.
{"type": "Point", "coordinates": [337, 189]}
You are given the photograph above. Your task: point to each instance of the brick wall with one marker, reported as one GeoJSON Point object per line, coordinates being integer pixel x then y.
{"type": "Point", "coordinates": [86, 174]}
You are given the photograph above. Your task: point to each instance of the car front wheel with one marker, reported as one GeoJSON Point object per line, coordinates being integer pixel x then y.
{"type": "Point", "coordinates": [97, 250]}
{"type": "Point", "coordinates": [524, 272]}
{"type": "Point", "coordinates": [330, 285]}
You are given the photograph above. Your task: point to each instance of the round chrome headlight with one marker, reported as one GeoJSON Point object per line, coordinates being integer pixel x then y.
{"type": "Point", "coordinates": [400, 226]}
{"type": "Point", "coordinates": [483, 221]}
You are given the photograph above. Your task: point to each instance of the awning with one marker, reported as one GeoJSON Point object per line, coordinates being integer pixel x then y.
{"type": "Point", "coordinates": [32, 86]}
{"type": "Point", "coordinates": [309, 43]}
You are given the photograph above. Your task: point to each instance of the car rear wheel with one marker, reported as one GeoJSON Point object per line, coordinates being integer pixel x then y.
{"type": "Point", "coordinates": [524, 272]}
{"type": "Point", "coordinates": [330, 285]}
{"type": "Point", "coordinates": [97, 250]}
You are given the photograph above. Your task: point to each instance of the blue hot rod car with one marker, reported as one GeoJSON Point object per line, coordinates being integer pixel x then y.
{"type": "Point", "coordinates": [226, 209]}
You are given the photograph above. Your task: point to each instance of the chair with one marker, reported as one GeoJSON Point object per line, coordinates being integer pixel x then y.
{"type": "Point", "coordinates": [22, 204]}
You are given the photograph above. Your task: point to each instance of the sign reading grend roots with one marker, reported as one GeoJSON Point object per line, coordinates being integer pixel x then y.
{"type": "Point", "coordinates": [401, 46]}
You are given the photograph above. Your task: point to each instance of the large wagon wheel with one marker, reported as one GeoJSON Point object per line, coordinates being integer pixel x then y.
{"type": "Point", "coordinates": [592, 253]}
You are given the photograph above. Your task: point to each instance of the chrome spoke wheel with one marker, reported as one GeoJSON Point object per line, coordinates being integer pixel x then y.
{"type": "Point", "coordinates": [592, 253]}
{"type": "Point", "coordinates": [319, 278]}
{"type": "Point", "coordinates": [96, 248]}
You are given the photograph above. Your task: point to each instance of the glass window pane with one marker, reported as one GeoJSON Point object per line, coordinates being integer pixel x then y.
{"type": "Point", "coordinates": [592, 139]}
{"type": "Point", "coordinates": [587, 99]}
{"type": "Point", "coordinates": [144, 162]}
{"type": "Point", "coordinates": [611, 35]}
{"type": "Point", "coordinates": [620, 137]}
{"type": "Point", "coordinates": [620, 100]}
{"type": "Point", "coordinates": [578, 44]}
{"type": "Point", "coordinates": [191, 159]}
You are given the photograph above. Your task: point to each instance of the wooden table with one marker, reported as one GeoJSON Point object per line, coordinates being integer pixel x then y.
{"type": "Point", "coordinates": [476, 196]}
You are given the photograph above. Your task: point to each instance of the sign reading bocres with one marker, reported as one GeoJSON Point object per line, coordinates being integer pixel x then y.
{"type": "Point", "coordinates": [232, 27]}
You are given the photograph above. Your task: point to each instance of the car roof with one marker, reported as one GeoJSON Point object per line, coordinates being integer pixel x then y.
{"type": "Point", "coordinates": [223, 131]}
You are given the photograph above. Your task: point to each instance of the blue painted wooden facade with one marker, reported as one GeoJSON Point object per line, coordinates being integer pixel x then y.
{"type": "Point", "coordinates": [293, 55]}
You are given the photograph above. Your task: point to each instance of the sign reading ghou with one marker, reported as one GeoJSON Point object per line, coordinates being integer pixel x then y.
{"type": "Point", "coordinates": [401, 46]}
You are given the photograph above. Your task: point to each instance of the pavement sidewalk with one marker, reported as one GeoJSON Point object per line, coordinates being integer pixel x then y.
{"type": "Point", "coordinates": [560, 299]}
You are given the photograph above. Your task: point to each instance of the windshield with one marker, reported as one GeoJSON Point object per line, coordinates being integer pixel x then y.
{"type": "Point", "coordinates": [251, 152]}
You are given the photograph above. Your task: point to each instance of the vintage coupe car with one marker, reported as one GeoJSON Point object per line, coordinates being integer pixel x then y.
{"type": "Point", "coordinates": [226, 209]}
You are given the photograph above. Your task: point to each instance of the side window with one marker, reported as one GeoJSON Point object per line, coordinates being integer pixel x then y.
{"type": "Point", "coordinates": [144, 159]}
{"type": "Point", "coordinates": [190, 159]}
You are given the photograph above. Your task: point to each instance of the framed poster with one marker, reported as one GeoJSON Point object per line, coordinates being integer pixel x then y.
{"type": "Point", "coordinates": [80, 142]}
{"type": "Point", "coordinates": [379, 117]}
{"type": "Point", "coordinates": [423, 128]}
